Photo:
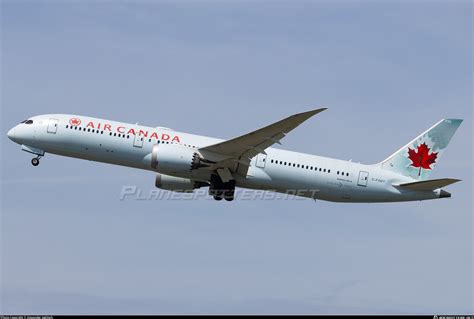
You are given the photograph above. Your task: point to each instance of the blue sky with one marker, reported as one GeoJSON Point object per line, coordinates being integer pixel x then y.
{"type": "Point", "coordinates": [386, 71]}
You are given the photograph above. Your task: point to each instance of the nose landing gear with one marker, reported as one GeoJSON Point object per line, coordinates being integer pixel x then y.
{"type": "Point", "coordinates": [35, 161]}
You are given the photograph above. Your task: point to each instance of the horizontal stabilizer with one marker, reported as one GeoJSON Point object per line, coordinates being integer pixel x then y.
{"type": "Point", "coordinates": [428, 185]}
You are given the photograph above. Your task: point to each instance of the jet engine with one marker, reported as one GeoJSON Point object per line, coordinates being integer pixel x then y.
{"type": "Point", "coordinates": [175, 159]}
{"type": "Point", "coordinates": [177, 184]}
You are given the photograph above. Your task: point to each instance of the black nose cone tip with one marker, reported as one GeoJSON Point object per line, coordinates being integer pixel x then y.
{"type": "Point", "coordinates": [444, 194]}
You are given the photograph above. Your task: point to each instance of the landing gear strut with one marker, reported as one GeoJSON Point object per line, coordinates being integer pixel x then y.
{"type": "Point", "coordinates": [35, 161]}
{"type": "Point", "coordinates": [219, 190]}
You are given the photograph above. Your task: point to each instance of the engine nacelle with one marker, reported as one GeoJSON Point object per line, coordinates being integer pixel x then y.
{"type": "Point", "coordinates": [177, 184]}
{"type": "Point", "coordinates": [175, 159]}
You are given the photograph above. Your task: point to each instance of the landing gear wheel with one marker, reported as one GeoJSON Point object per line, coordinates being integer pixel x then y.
{"type": "Point", "coordinates": [35, 161]}
{"type": "Point", "coordinates": [220, 190]}
{"type": "Point", "coordinates": [230, 190]}
{"type": "Point", "coordinates": [229, 195]}
{"type": "Point", "coordinates": [217, 194]}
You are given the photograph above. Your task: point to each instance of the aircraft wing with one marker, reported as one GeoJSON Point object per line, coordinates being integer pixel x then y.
{"type": "Point", "coordinates": [240, 150]}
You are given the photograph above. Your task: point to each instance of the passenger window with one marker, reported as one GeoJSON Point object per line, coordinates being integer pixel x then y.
{"type": "Point", "coordinates": [67, 126]}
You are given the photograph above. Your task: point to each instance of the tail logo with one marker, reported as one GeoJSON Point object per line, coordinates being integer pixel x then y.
{"type": "Point", "coordinates": [421, 157]}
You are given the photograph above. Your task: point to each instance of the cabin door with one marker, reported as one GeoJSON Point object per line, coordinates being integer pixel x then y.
{"type": "Point", "coordinates": [53, 126]}
{"type": "Point", "coordinates": [138, 140]}
{"type": "Point", "coordinates": [363, 178]}
{"type": "Point", "coordinates": [261, 158]}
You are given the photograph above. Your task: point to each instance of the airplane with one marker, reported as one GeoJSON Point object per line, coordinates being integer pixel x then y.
{"type": "Point", "coordinates": [184, 162]}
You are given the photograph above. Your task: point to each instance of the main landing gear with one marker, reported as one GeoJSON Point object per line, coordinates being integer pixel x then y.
{"type": "Point", "coordinates": [35, 161]}
{"type": "Point", "coordinates": [220, 190]}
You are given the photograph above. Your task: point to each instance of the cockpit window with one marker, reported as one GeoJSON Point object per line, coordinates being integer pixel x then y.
{"type": "Point", "coordinates": [29, 122]}
{"type": "Point", "coordinates": [23, 121]}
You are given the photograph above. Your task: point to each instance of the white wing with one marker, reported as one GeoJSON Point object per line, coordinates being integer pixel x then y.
{"type": "Point", "coordinates": [240, 150]}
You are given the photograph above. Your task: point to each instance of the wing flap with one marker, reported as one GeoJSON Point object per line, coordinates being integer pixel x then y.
{"type": "Point", "coordinates": [428, 185]}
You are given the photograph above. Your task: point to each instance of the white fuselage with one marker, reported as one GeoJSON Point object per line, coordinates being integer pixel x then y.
{"type": "Point", "coordinates": [279, 170]}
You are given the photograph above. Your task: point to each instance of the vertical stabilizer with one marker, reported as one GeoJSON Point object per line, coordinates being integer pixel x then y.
{"type": "Point", "coordinates": [419, 157]}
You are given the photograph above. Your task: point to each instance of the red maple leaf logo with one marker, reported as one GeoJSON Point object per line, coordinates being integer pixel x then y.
{"type": "Point", "coordinates": [75, 122]}
{"type": "Point", "coordinates": [421, 157]}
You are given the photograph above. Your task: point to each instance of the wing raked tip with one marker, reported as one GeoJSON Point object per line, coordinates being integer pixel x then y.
{"type": "Point", "coordinates": [320, 109]}
{"type": "Point", "coordinates": [314, 111]}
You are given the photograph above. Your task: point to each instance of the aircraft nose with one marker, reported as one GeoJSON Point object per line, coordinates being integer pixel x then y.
{"type": "Point", "coordinates": [11, 134]}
